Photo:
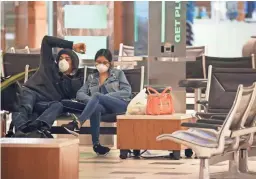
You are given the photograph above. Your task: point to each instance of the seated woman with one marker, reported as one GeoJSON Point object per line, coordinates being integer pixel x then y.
{"type": "Point", "coordinates": [105, 92]}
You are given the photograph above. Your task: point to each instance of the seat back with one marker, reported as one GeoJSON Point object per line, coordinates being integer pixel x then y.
{"type": "Point", "coordinates": [34, 50]}
{"type": "Point", "coordinates": [125, 50]}
{"type": "Point", "coordinates": [239, 110]}
{"type": "Point", "coordinates": [243, 110]}
{"type": "Point", "coordinates": [14, 50]}
{"type": "Point", "coordinates": [134, 76]}
{"type": "Point", "coordinates": [199, 67]}
{"type": "Point", "coordinates": [14, 63]}
{"type": "Point", "coordinates": [217, 62]}
{"type": "Point", "coordinates": [223, 83]}
{"type": "Point", "coordinates": [1, 63]}
{"type": "Point", "coordinates": [194, 69]}
{"type": "Point", "coordinates": [10, 50]}
{"type": "Point", "coordinates": [10, 98]}
{"type": "Point", "coordinates": [24, 50]}
{"type": "Point", "coordinates": [248, 120]}
{"type": "Point", "coordinates": [88, 71]}
{"type": "Point", "coordinates": [194, 51]}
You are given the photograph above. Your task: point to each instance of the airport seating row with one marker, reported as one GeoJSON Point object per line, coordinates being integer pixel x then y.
{"type": "Point", "coordinates": [196, 73]}
{"type": "Point", "coordinates": [221, 88]}
{"type": "Point", "coordinates": [227, 132]}
{"type": "Point", "coordinates": [236, 133]}
{"type": "Point", "coordinates": [134, 76]}
{"type": "Point", "coordinates": [84, 74]}
{"type": "Point", "coordinates": [195, 69]}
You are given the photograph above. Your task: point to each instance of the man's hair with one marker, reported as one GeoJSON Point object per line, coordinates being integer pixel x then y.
{"type": "Point", "coordinates": [71, 54]}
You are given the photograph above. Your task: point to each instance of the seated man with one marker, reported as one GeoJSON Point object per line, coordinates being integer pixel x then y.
{"type": "Point", "coordinates": [51, 83]}
{"type": "Point", "coordinates": [106, 91]}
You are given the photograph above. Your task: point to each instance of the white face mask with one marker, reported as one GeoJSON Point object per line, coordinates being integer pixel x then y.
{"type": "Point", "coordinates": [102, 68]}
{"type": "Point", "coordinates": [63, 65]}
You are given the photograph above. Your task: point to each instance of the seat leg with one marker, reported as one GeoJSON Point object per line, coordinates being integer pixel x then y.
{"type": "Point", "coordinates": [243, 162]}
{"type": "Point", "coordinates": [198, 93]}
{"type": "Point", "coordinates": [233, 172]}
{"type": "Point", "coordinates": [3, 122]}
{"type": "Point", "coordinates": [204, 169]}
{"type": "Point", "coordinates": [233, 165]}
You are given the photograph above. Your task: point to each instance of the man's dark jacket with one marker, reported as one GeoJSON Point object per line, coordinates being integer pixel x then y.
{"type": "Point", "coordinates": [48, 81]}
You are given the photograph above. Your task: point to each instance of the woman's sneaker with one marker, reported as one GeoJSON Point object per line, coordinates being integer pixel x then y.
{"type": "Point", "coordinates": [72, 128]}
{"type": "Point", "coordinates": [101, 150]}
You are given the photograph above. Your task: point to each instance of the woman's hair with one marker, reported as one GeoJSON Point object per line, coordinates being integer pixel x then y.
{"type": "Point", "coordinates": [104, 52]}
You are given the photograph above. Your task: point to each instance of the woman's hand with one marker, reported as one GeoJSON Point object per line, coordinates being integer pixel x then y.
{"type": "Point", "coordinates": [79, 48]}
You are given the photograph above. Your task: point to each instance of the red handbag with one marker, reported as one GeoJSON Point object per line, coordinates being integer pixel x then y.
{"type": "Point", "coordinates": [159, 103]}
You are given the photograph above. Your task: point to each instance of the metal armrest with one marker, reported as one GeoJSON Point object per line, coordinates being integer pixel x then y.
{"type": "Point", "coordinates": [202, 102]}
{"type": "Point", "coordinates": [198, 85]}
{"type": "Point", "coordinates": [220, 117]}
{"type": "Point", "coordinates": [200, 125]}
{"type": "Point", "coordinates": [200, 115]}
{"type": "Point", "coordinates": [210, 121]}
{"type": "Point", "coordinates": [193, 83]}
{"type": "Point", "coordinates": [241, 132]}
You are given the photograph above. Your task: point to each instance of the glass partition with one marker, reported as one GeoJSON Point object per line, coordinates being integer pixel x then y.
{"type": "Point", "coordinates": [90, 22]}
{"type": "Point", "coordinates": [93, 44]}
{"type": "Point", "coordinates": [98, 14]}
{"type": "Point", "coordinates": [141, 15]}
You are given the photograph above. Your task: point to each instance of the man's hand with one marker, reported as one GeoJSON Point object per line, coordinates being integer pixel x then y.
{"type": "Point", "coordinates": [79, 48]}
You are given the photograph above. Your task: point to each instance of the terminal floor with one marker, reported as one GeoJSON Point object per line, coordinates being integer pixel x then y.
{"type": "Point", "coordinates": [111, 167]}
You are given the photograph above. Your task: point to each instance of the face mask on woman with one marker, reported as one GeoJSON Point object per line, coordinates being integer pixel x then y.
{"type": "Point", "coordinates": [63, 65]}
{"type": "Point", "coordinates": [102, 68]}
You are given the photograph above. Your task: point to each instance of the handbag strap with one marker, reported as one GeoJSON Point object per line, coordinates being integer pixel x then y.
{"type": "Point", "coordinates": [152, 90]}
{"type": "Point", "coordinates": [167, 89]}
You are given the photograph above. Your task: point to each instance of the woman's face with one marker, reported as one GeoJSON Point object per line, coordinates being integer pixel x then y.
{"type": "Point", "coordinates": [102, 60]}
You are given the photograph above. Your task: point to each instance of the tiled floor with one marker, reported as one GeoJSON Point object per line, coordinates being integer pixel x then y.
{"type": "Point", "coordinates": [111, 167]}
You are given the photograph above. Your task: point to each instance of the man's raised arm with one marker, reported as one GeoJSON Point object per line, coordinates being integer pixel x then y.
{"type": "Point", "coordinates": [50, 42]}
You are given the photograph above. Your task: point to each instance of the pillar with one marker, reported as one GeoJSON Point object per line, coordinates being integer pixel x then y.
{"type": "Point", "coordinates": [31, 23]}
{"type": "Point", "coordinates": [123, 24]}
{"type": "Point", "coordinates": [128, 19]}
{"type": "Point", "coordinates": [37, 23]}
{"type": "Point", "coordinates": [118, 24]}
{"type": "Point", "coordinates": [2, 35]}
{"type": "Point", "coordinates": [21, 25]}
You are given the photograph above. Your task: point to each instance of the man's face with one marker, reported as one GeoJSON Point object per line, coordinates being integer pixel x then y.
{"type": "Point", "coordinates": [68, 59]}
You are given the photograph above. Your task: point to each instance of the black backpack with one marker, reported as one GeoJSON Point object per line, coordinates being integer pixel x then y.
{"type": "Point", "coordinates": [10, 97]}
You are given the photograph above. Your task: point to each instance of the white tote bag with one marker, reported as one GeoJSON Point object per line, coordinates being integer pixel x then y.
{"type": "Point", "coordinates": [138, 104]}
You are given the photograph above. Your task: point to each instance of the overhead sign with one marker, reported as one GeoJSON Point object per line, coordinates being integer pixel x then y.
{"type": "Point", "coordinates": [177, 24]}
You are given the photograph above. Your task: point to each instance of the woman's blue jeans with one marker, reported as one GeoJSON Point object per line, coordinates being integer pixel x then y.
{"type": "Point", "coordinates": [98, 105]}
